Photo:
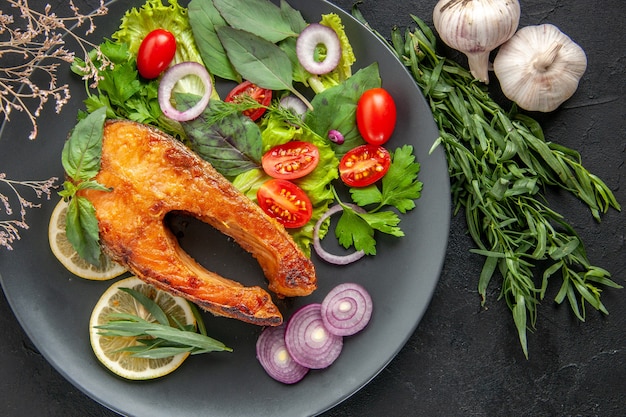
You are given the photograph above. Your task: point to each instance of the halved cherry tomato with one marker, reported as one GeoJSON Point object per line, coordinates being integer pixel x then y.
{"type": "Point", "coordinates": [364, 165]}
{"type": "Point", "coordinates": [286, 202]}
{"type": "Point", "coordinates": [376, 116]}
{"type": "Point", "coordinates": [155, 53]}
{"type": "Point", "coordinates": [291, 160]}
{"type": "Point", "coordinates": [261, 95]}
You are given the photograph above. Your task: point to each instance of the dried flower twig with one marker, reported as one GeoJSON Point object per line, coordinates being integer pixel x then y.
{"type": "Point", "coordinates": [9, 229]}
{"type": "Point", "coordinates": [35, 44]}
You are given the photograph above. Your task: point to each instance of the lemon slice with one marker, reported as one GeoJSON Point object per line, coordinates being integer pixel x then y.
{"type": "Point", "coordinates": [115, 300]}
{"type": "Point", "coordinates": [67, 255]}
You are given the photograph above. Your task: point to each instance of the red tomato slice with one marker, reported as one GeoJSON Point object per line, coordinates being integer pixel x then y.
{"type": "Point", "coordinates": [286, 202]}
{"type": "Point", "coordinates": [376, 116]}
{"type": "Point", "coordinates": [291, 160]}
{"type": "Point", "coordinates": [155, 53]}
{"type": "Point", "coordinates": [261, 95]}
{"type": "Point", "coordinates": [364, 165]}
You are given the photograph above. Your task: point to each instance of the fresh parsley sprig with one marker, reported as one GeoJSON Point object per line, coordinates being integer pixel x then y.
{"type": "Point", "coordinates": [159, 339]}
{"type": "Point", "coordinates": [399, 188]}
{"type": "Point", "coordinates": [81, 161]}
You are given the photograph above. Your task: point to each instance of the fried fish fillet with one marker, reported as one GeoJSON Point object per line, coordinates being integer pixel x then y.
{"type": "Point", "coordinates": [152, 174]}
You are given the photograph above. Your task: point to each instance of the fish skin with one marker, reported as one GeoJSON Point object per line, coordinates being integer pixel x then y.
{"type": "Point", "coordinates": [151, 174]}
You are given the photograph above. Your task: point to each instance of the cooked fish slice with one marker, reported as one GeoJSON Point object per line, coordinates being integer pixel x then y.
{"type": "Point", "coordinates": [152, 174]}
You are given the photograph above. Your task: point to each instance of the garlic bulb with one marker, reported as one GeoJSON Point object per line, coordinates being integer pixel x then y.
{"type": "Point", "coordinates": [476, 27]}
{"type": "Point", "coordinates": [540, 67]}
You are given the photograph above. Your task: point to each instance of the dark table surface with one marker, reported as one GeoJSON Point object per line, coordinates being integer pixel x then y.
{"type": "Point", "coordinates": [463, 359]}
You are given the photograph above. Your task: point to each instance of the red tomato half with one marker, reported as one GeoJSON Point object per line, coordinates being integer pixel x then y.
{"type": "Point", "coordinates": [261, 95]}
{"type": "Point", "coordinates": [286, 202]}
{"type": "Point", "coordinates": [155, 53]}
{"type": "Point", "coordinates": [376, 116]}
{"type": "Point", "coordinates": [364, 165]}
{"type": "Point", "coordinates": [291, 160]}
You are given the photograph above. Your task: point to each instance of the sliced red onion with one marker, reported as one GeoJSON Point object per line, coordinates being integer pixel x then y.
{"type": "Point", "coordinates": [308, 341]}
{"type": "Point", "coordinates": [335, 136]}
{"type": "Point", "coordinates": [312, 36]}
{"type": "Point", "coordinates": [169, 80]}
{"type": "Point", "coordinates": [274, 357]}
{"type": "Point", "coordinates": [346, 309]}
{"type": "Point", "coordinates": [317, 244]}
{"type": "Point", "coordinates": [293, 103]}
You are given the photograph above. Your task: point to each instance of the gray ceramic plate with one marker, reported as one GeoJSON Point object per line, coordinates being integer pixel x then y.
{"type": "Point", "coordinates": [53, 306]}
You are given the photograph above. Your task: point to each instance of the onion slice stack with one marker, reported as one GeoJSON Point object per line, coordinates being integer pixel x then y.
{"type": "Point", "coordinates": [313, 35]}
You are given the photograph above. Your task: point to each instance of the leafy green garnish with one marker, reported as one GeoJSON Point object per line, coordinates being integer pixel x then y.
{"type": "Point", "coordinates": [357, 229]}
{"type": "Point", "coordinates": [400, 187]}
{"type": "Point", "coordinates": [81, 161]}
{"type": "Point", "coordinates": [159, 339]}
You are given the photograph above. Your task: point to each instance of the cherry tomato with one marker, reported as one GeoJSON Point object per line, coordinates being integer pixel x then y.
{"type": "Point", "coordinates": [286, 202]}
{"type": "Point", "coordinates": [376, 116]}
{"type": "Point", "coordinates": [261, 95]}
{"type": "Point", "coordinates": [155, 53]}
{"type": "Point", "coordinates": [364, 165]}
{"type": "Point", "coordinates": [291, 160]}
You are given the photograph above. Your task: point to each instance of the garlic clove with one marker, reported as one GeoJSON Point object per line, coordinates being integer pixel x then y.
{"type": "Point", "coordinates": [476, 27]}
{"type": "Point", "coordinates": [539, 67]}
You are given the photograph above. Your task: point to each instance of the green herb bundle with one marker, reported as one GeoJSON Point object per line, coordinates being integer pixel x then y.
{"type": "Point", "coordinates": [499, 164]}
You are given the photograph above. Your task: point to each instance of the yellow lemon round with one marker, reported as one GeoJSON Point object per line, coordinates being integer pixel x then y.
{"type": "Point", "coordinates": [106, 348]}
{"type": "Point", "coordinates": [65, 253]}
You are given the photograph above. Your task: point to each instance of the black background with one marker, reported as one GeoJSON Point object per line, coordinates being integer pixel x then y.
{"type": "Point", "coordinates": [463, 359]}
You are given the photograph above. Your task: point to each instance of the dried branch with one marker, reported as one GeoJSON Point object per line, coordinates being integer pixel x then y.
{"type": "Point", "coordinates": [35, 43]}
{"type": "Point", "coordinates": [9, 229]}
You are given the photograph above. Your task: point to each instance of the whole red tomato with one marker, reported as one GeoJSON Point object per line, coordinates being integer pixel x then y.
{"type": "Point", "coordinates": [155, 53]}
{"type": "Point", "coordinates": [376, 116]}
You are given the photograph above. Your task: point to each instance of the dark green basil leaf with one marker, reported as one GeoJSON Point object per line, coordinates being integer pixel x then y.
{"type": "Point", "coordinates": [82, 151]}
{"type": "Point", "coordinates": [335, 107]}
{"type": "Point", "coordinates": [81, 227]}
{"type": "Point", "coordinates": [256, 59]}
{"type": "Point", "coordinates": [232, 144]}
{"type": "Point", "coordinates": [204, 19]}
{"type": "Point", "coordinates": [293, 16]}
{"type": "Point", "coordinates": [259, 16]}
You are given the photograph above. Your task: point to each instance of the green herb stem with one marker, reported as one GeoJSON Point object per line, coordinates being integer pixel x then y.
{"type": "Point", "coordinates": [499, 163]}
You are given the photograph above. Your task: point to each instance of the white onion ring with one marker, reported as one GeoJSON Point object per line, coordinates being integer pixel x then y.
{"type": "Point", "coordinates": [309, 38]}
{"type": "Point", "coordinates": [317, 245]}
{"type": "Point", "coordinates": [169, 80]}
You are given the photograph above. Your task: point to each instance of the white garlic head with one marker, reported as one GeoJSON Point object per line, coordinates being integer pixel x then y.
{"type": "Point", "coordinates": [540, 67]}
{"type": "Point", "coordinates": [476, 27]}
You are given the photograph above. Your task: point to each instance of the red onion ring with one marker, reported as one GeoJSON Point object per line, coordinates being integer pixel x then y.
{"type": "Point", "coordinates": [274, 357]}
{"type": "Point", "coordinates": [317, 245]}
{"type": "Point", "coordinates": [346, 309]}
{"type": "Point", "coordinates": [169, 80]}
{"type": "Point", "coordinates": [308, 341]}
{"type": "Point", "coordinates": [309, 38]}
